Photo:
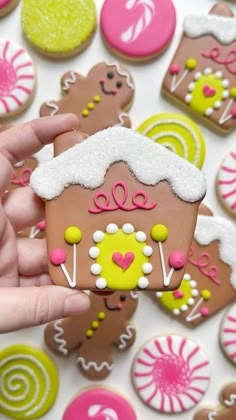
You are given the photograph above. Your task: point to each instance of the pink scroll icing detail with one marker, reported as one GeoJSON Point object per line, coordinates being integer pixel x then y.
{"type": "Point", "coordinates": [23, 179]}
{"type": "Point", "coordinates": [202, 262]}
{"type": "Point", "coordinates": [102, 200]}
{"type": "Point", "coordinates": [228, 61]}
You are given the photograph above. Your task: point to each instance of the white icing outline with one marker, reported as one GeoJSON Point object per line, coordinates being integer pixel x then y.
{"type": "Point", "coordinates": [54, 107]}
{"type": "Point", "coordinates": [86, 366]}
{"type": "Point", "coordinates": [126, 336]}
{"type": "Point", "coordinates": [70, 81]}
{"type": "Point", "coordinates": [212, 415]}
{"type": "Point", "coordinates": [121, 73]}
{"type": "Point", "coordinates": [232, 401]}
{"type": "Point", "coordinates": [57, 337]}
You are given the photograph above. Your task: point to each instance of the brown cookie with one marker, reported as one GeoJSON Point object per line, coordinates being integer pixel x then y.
{"type": "Point", "coordinates": [93, 334]}
{"type": "Point", "coordinates": [209, 282]}
{"type": "Point", "coordinates": [228, 409]}
{"type": "Point", "coordinates": [116, 208]}
{"type": "Point", "coordinates": [6, 6]}
{"type": "Point", "coordinates": [99, 100]}
{"type": "Point", "coordinates": [202, 73]}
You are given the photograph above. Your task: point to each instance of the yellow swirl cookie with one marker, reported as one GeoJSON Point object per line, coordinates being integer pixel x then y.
{"type": "Point", "coordinates": [59, 28]}
{"type": "Point", "coordinates": [29, 382]}
{"type": "Point", "coordinates": [177, 133]}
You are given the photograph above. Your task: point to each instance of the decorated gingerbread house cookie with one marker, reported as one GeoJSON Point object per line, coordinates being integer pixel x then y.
{"type": "Point", "coordinates": [202, 73]}
{"type": "Point", "coordinates": [209, 283]}
{"type": "Point", "coordinates": [117, 205]}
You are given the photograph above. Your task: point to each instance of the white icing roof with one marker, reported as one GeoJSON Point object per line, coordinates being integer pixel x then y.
{"type": "Point", "coordinates": [209, 229]}
{"type": "Point", "coordinates": [86, 164]}
{"type": "Point", "coordinates": [222, 28]}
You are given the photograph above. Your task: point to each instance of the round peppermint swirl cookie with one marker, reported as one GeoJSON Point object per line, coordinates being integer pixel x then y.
{"type": "Point", "coordinates": [59, 28]}
{"type": "Point", "coordinates": [228, 334]}
{"type": "Point", "coordinates": [29, 382]}
{"type": "Point", "coordinates": [171, 373]}
{"type": "Point", "coordinates": [226, 182]}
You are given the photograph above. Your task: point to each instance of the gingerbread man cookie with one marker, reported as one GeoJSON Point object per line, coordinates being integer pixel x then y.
{"type": "Point", "coordinates": [209, 282]}
{"type": "Point", "coordinates": [94, 333]}
{"type": "Point", "coordinates": [99, 99]}
{"type": "Point", "coordinates": [202, 73]}
{"type": "Point", "coordinates": [228, 409]}
{"type": "Point", "coordinates": [112, 205]}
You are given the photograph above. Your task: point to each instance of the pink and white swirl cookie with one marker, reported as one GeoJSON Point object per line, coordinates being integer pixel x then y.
{"type": "Point", "coordinates": [171, 373]}
{"type": "Point", "coordinates": [17, 79]}
{"type": "Point", "coordinates": [143, 30]}
{"type": "Point", "coordinates": [228, 334]}
{"type": "Point", "coordinates": [99, 403]}
{"type": "Point", "coordinates": [6, 6]}
{"type": "Point", "coordinates": [226, 182]}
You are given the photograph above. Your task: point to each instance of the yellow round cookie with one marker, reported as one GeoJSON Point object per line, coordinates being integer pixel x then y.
{"type": "Point", "coordinates": [29, 382]}
{"type": "Point", "coordinates": [177, 133]}
{"type": "Point", "coordinates": [59, 28]}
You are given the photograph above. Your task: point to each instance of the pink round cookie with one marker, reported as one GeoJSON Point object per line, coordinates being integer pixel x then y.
{"type": "Point", "coordinates": [171, 373]}
{"type": "Point", "coordinates": [228, 334]}
{"type": "Point", "coordinates": [17, 79]}
{"type": "Point", "coordinates": [226, 182]}
{"type": "Point", "coordinates": [6, 6]}
{"type": "Point", "coordinates": [143, 30]}
{"type": "Point", "coordinates": [99, 403]}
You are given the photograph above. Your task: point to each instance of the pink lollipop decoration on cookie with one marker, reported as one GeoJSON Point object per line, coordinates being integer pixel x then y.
{"type": "Point", "coordinates": [144, 27]}
{"type": "Point", "coordinates": [226, 182]}
{"type": "Point", "coordinates": [171, 373]}
{"type": "Point", "coordinates": [17, 79]}
{"type": "Point", "coordinates": [228, 334]}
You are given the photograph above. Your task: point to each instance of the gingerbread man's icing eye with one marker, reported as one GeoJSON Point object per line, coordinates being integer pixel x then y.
{"type": "Point", "coordinates": [122, 298]}
{"type": "Point", "coordinates": [119, 84]}
{"type": "Point", "coordinates": [110, 75]}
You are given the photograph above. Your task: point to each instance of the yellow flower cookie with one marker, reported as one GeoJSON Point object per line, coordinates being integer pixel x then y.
{"type": "Point", "coordinates": [29, 382]}
{"type": "Point", "coordinates": [59, 28]}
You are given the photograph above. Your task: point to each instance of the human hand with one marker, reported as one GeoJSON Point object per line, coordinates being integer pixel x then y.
{"type": "Point", "coordinates": [23, 261]}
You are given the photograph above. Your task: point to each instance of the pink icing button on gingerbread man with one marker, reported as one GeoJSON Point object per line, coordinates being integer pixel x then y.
{"type": "Point", "coordinates": [143, 30]}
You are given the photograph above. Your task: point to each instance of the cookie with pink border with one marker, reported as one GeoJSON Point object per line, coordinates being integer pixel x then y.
{"type": "Point", "coordinates": [226, 182]}
{"type": "Point", "coordinates": [144, 28]}
{"type": "Point", "coordinates": [227, 410]}
{"type": "Point", "coordinates": [171, 373]}
{"type": "Point", "coordinates": [201, 76]}
{"type": "Point", "coordinates": [228, 334]}
{"type": "Point", "coordinates": [17, 79]}
{"type": "Point", "coordinates": [99, 403]}
{"type": "Point", "coordinates": [209, 282]}
{"type": "Point", "coordinates": [6, 6]}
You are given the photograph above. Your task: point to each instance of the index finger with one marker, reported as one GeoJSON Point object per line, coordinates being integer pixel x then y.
{"type": "Point", "coordinates": [20, 142]}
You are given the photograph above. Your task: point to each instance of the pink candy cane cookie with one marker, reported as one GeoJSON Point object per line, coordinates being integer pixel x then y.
{"type": "Point", "coordinates": [99, 403]}
{"type": "Point", "coordinates": [17, 79]}
{"type": "Point", "coordinates": [228, 334]}
{"type": "Point", "coordinates": [143, 30]}
{"type": "Point", "coordinates": [171, 373]}
{"type": "Point", "coordinates": [6, 6]}
{"type": "Point", "coordinates": [226, 182]}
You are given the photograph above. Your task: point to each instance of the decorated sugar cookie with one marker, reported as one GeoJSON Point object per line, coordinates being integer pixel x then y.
{"type": "Point", "coordinates": [99, 402]}
{"type": "Point", "coordinates": [209, 282]}
{"type": "Point", "coordinates": [228, 334]}
{"type": "Point", "coordinates": [177, 133]}
{"type": "Point", "coordinates": [29, 382]}
{"type": "Point", "coordinates": [143, 30]}
{"type": "Point", "coordinates": [6, 6]}
{"type": "Point", "coordinates": [116, 207]}
{"type": "Point", "coordinates": [93, 334]}
{"type": "Point", "coordinates": [227, 410]}
{"type": "Point", "coordinates": [171, 374]}
{"type": "Point", "coordinates": [226, 182]}
{"type": "Point", "coordinates": [99, 100]}
{"type": "Point", "coordinates": [202, 73]}
{"type": "Point", "coordinates": [59, 28]}
{"type": "Point", "coordinates": [17, 79]}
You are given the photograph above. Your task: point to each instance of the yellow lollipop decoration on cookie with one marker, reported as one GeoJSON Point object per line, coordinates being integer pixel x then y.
{"type": "Point", "coordinates": [178, 134]}
{"type": "Point", "coordinates": [28, 382]}
{"type": "Point", "coordinates": [59, 28]}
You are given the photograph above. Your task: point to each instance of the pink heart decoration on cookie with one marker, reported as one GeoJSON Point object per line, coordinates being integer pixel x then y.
{"type": "Point", "coordinates": [208, 91]}
{"type": "Point", "coordinates": [123, 261]}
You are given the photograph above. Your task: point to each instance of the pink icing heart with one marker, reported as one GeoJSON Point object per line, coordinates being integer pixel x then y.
{"type": "Point", "coordinates": [123, 261]}
{"type": "Point", "coordinates": [178, 294]}
{"type": "Point", "coordinates": [208, 91]}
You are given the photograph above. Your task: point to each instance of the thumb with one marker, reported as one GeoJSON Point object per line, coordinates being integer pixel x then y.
{"type": "Point", "coordinates": [29, 306]}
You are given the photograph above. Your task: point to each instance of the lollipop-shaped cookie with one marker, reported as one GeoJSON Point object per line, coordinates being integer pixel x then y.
{"type": "Point", "coordinates": [17, 79]}
{"type": "Point", "coordinates": [228, 334]}
{"type": "Point", "coordinates": [177, 133]}
{"type": "Point", "coordinates": [29, 382]}
{"type": "Point", "coordinates": [171, 373]}
{"type": "Point", "coordinates": [226, 182]}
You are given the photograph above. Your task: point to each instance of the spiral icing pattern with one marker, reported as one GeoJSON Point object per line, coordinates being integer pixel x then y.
{"type": "Point", "coordinates": [28, 382]}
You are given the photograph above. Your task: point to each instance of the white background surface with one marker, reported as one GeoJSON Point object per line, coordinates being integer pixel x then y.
{"type": "Point", "coordinates": [149, 319]}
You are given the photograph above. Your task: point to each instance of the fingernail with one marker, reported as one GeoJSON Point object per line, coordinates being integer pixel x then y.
{"type": "Point", "coordinates": [75, 304]}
